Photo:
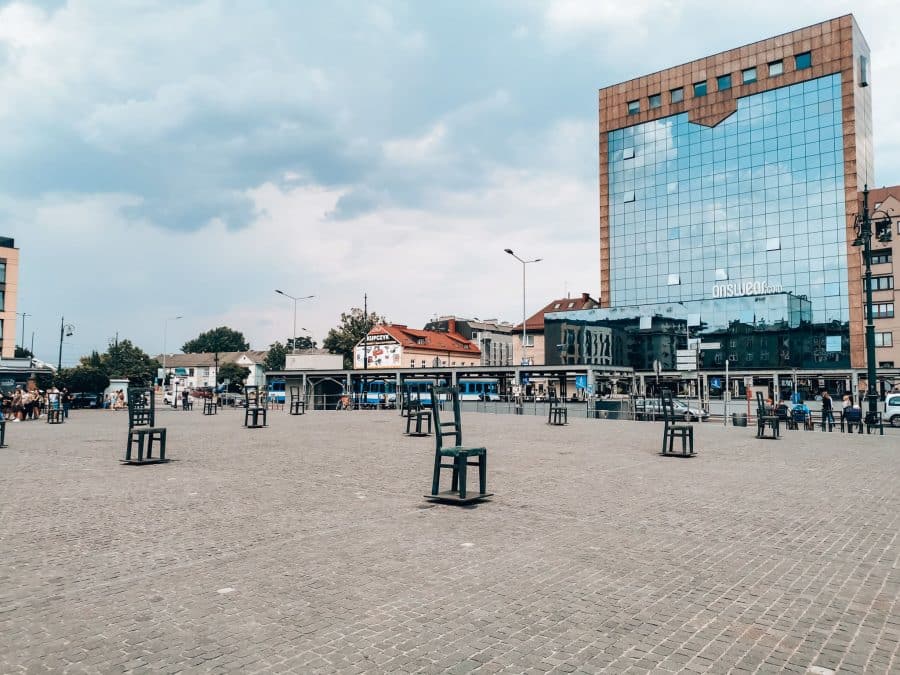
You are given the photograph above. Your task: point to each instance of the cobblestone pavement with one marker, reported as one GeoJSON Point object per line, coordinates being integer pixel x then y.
{"type": "Point", "coordinates": [307, 547]}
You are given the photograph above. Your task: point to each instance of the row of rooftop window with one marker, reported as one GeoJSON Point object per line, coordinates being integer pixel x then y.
{"type": "Point", "coordinates": [723, 82]}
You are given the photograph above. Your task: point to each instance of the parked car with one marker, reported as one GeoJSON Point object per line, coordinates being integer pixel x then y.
{"type": "Point", "coordinates": [231, 399]}
{"type": "Point", "coordinates": [202, 392]}
{"type": "Point", "coordinates": [85, 400]}
{"type": "Point", "coordinates": [892, 409]}
{"type": "Point", "coordinates": [681, 409]}
{"type": "Point", "coordinates": [167, 397]}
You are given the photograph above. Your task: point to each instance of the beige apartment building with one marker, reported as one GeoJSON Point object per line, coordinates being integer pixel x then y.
{"type": "Point", "coordinates": [9, 289]}
{"type": "Point", "coordinates": [885, 202]}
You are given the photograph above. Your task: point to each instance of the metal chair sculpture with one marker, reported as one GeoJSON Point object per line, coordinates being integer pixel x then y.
{"type": "Point", "coordinates": [55, 413]}
{"type": "Point", "coordinates": [254, 407]}
{"type": "Point", "coordinates": [298, 402]}
{"type": "Point", "coordinates": [874, 421]}
{"type": "Point", "coordinates": [210, 406]}
{"type": "Point", "coordinates": [558, 414]}
{"type": "Point", "coordinates": [853, 418]}
{"type": "Point", "coordinates": [801, 419]}
{"type": "Point", "coordinates": [142, 429]}
{"type": "Point", "coordinates": [459, 454]}
{"type": "Point", "coordinates": [765, 418]}
{"type": "Point", "coordinates": [415, 412]}
{"type": "Point", "coordinates": [673, 429]}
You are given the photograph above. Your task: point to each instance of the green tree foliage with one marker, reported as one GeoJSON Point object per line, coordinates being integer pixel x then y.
{"type": "Point", "coordinates": [221, 339]}
{"type": "Point", "coordinates": [275, 357]}
{"type": "Point", "coordinates": [22, 353]}
{"type": "Point", "coordinates": [353, 327]}
{"type": "Point", "coordinates": [234, 373]}
{"type": "Point", "coordinates": [124, 360]}
{"type": "Point", "coordinates": [303, 342]}
{"type": "Point", "coordinates": [82, 378]}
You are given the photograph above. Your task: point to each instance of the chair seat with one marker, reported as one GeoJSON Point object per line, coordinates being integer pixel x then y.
{"type": "Point", "coordinates": [457, 451]}
{"type": "Point", "coordinates": [146, 430]}
{"type": "Point", "coordinates": [681, 427]}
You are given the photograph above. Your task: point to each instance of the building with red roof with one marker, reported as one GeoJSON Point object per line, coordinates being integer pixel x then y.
{"type": "Point", "coordinates": [533, 353]}
{"type": "Point", "coordinates": [393, 345]}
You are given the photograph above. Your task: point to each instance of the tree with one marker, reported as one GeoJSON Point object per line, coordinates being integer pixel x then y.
{"type": "Point", "coordinates": [124, 360]}
{"type": "Point", "coordinates": [82, 378]}
{"type": "Point", "coordinates": [23, 353]}
{"type": "Point", "coordinates": [221, 339]}
{"type": "Point", "coordinates": [354, 326]}
{"type": "Point", "coordinates": [275, 358]}
{"type": "Point", "coordinates": [303, 342]}
{"type": "Point", "coordinates": [234, 373]}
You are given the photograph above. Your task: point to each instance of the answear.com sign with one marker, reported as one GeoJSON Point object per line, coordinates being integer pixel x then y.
{"type": "Point", "coordinates": [746, 288]}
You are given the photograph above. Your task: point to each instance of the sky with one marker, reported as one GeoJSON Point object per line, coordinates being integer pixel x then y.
{"type": "Point", "coordinates": [163, 159]}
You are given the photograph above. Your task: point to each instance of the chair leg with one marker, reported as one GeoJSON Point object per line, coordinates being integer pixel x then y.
{"type": "Point", "coordinates": [463, 462]}
{"type": "Point", "coordinates": [435, 481]}
{"type": "Point", "coordinates": [482, 473]}
{"type": "Point", "coordinates": [162, 445]}
{"type": "Point", "coordinates": [454, 482]}
{"type": "Point", "coordinates": [128, 447]}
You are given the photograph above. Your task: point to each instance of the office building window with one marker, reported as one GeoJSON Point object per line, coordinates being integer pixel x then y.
{"type": "Point", "coordinates": [700, 89]}
{"type": "Point", "coordinates": [885, 364]}
{"type": "Point", "coordinates": [629, 196]}
{"type": "Point", "coordinates": [721, 274]}
{"type": "Point", "coordinates": [882, 283]}
{"type": "Point", "coordinates": [677, 95]}
{"type": "Point", "coordinates": [748, 75]}
{"type": "Point", "coordinates": [673, 280]}
{"type": "Point", "coordinates": [881, 257]}
{"type": "Point", "coordinates": [529, 340]}
{"type": "Point", "coordinates": [655, 101]}
{"type": "Point", "coordinates": [634, 107]}
{"type": "Point", "coordinates": [776, 68]}
{"type": "Point", "coordinates": [803, 61]}
{"type": "Point", "coordinates": [2, 271]}
{"type": "Point", "coordinates": [723, 82]}
{"type": "Point", "coordinates": [2, 301]}
{"type": "Point", "coordinates": [884, 339]}
{"type": "Point", "coordinates": [628, 153]}
{"type": "Point", "coordinates": [882, 310]}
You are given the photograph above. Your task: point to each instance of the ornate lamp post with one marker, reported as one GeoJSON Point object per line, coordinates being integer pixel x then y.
{"type": "Point", "coordinates": [864, 230]}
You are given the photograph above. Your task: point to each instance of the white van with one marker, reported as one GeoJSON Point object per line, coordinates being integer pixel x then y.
{"type": "Point", "coordinates": [892, 409]}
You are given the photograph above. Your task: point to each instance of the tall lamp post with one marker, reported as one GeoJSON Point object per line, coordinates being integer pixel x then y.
{"type": "Point", "coordinates": [23, 315]}
{"type": "Point", "coordinates": [165, 336]}
{"type": "Point", "coordinates": [295, 299]}
{"type": "Point", "coordinates": [65, 330]}
{"type": "Point", "coordinates": [863, 225]}
{"type": "Point", "coordinates": [524, 330]}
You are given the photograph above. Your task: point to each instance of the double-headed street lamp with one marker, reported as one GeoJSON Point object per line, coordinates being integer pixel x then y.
{"type": "Point", "coordinates": [295, 299]}
{"type": "Point", "coordinates": [864, 230]}
{"type": "Point", "coordinates": [65, 330]}
{"type": "Point", "coordinates": [524, 331]}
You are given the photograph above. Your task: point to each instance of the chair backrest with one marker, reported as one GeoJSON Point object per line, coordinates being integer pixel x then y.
{"type": "Point", "coordinates": [295, 393]}
{"type": "Point", "coordinates": [760, 405]}
{"type": "Point", "coordinates": [252, 397]}
{"type": "Point", "coordinates": [446, 427]}
{"type": "Point", "coordinates": [782, 411]}
{"type": "Point", "coordinates": [853, 414]}
{"type": "Point", "coordinates": [668, 407]}
{"type": "Point", "coordinates": [141, 407]}
{"type": "Point", "coordinates": [799, 414]}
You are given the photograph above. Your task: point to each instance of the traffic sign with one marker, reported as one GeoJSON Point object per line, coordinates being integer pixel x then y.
{"type": "Point", "coordinates": [581, 381]}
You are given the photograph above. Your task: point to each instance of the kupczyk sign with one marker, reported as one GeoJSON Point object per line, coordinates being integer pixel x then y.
{"type": "Point", "coordinates": [379, 337]}
{"type": "Point", "coordinates": [746, 288]}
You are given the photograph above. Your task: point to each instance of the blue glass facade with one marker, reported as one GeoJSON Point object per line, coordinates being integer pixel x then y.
{"type": "Point", "coordinates": [752, 205]}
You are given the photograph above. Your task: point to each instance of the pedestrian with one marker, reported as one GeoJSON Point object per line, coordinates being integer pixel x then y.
{"type": "Point", "coordinates": [185, 396]}
{"type": "Point", "coordinates": [827, 414]}
{"type": "Point", "coordinates": [66, 402]}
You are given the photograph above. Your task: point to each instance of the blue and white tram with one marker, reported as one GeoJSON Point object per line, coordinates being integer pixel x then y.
{"type": "Point", "coordinates": [479, 390]}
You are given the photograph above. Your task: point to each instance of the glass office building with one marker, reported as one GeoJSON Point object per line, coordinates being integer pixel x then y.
{"type": "Point", "coordinates": [697, 212]}
{"type": "Point", "coordinates": [728, 188]}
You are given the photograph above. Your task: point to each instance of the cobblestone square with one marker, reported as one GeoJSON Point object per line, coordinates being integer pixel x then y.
{"type": "Point", "coordinates": [307, 547]}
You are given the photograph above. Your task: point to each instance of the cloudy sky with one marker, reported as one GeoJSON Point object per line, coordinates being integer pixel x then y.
{"type": "Point", "coordinates": [187, 158]}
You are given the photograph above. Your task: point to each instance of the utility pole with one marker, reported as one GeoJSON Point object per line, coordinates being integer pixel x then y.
{"type": "Point", "coordinates": [367, 328]}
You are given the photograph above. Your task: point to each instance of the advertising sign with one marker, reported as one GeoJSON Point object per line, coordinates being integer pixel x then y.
{"type": "Point", "coordinates": [581, 381]}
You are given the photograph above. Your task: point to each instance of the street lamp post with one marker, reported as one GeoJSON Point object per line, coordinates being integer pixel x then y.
{"type": "Point", "coordinates": [65, 330]}
{"type": "Point", "coordinates": [23, 315]}
{"type": "Point", "coordinates": [864, 231]}
{"type": "Point", "coordinates": [165, 336]}
{"type": "Point", "coordinates": [295, 299]}
{"type": "Point", "coordinates": [524, 330]}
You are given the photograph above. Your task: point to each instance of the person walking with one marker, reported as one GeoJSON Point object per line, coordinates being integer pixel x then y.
{"type": "Point", "coordinates": [827, 413]}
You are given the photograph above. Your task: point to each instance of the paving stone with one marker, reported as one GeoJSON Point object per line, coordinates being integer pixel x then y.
{"type": "Point", "coordinates": [595, 553]}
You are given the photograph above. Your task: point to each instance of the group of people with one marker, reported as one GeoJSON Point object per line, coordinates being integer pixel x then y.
{"type": "Point", "coordinates": [28, 404]}
{"type": "Point", "coordinates": [115, 400]}
{"type": "Point", "coordinates": [798, 404]}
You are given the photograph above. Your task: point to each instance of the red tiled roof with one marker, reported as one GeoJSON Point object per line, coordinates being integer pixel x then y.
{"type": "Point", "coordinates": [536, 321]}
{"type": "Point", "coordinates": [434, 340]}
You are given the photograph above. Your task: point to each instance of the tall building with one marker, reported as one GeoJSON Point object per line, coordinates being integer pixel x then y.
{"type": "Point", "coordinates": [9, 289]}
{"type": "Point", "coordinates": [885, 200]}
{"type": "Point", "coordinates": [728, 189]}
